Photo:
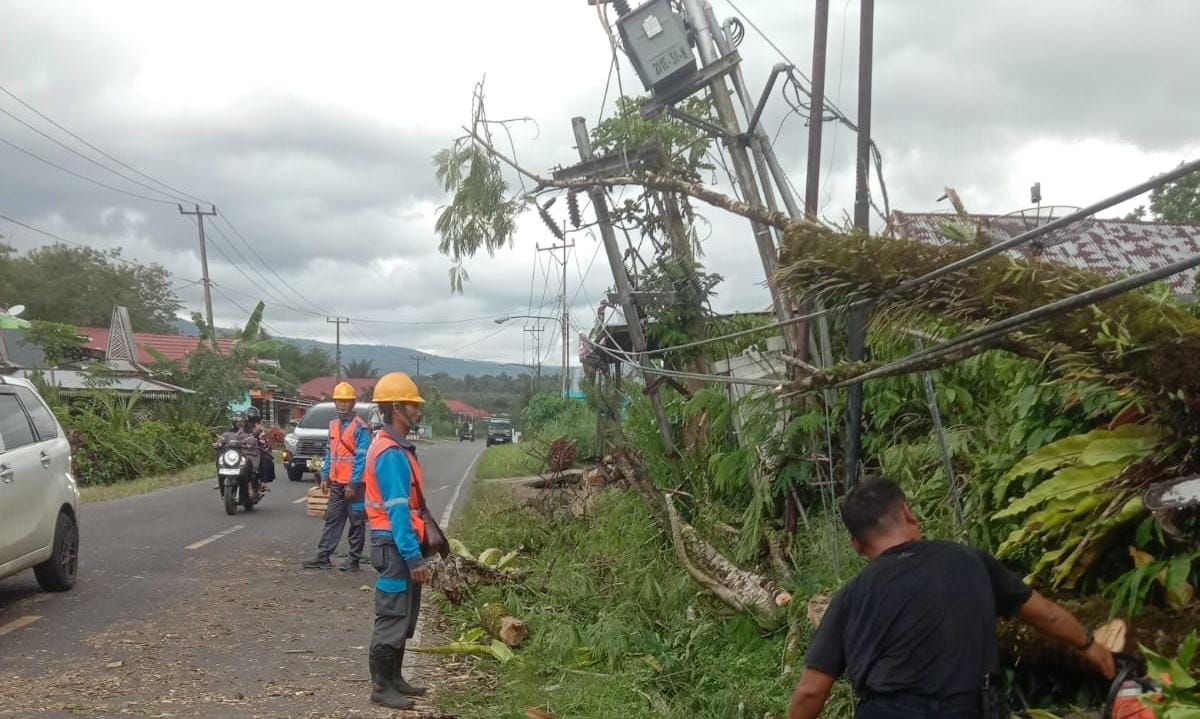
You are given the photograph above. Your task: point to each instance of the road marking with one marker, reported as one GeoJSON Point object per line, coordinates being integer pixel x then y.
{"type": "Point", "coordinates": [450, 507]}
{"type": "Point", "coordinates": [302, 499]}
{"type": "Point", "coordinates": [215, 537]}
{"type": "Point", "coordinates": [17, 623]}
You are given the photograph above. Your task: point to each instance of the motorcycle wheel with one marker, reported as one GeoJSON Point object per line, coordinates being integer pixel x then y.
{"type": "Point", "coordinates": [230, 496]}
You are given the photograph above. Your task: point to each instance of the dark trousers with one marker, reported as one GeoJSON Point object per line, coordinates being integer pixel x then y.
{"type": "Point", "coordinates": [396, 612]}
{"type": "Point", "coordinates": [906, 707]}
{"type": "Point", "coordinates": [337, 513]}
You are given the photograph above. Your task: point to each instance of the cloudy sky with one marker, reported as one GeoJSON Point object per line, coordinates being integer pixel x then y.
{"type": "Point", "coordinates": [311, 127]}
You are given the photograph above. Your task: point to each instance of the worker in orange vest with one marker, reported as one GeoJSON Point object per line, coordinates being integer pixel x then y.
{"type": "Point", "coordinates": [345, 457]}
{"type": "Point", "coordinates": [401, 529]}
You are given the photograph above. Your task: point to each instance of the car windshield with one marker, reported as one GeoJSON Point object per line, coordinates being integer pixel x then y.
{"type": "Point", "coordinates": [499, 424]}
{"type": "Point", "coordinates": [320, 416]}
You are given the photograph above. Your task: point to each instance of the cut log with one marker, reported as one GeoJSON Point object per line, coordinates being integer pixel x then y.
{"type": "Point", "coordinates": [455, 575]}
{"type": "Point", "coordinates": [501, 625]}
{"type": "Point", "coordinates": [756, 595]}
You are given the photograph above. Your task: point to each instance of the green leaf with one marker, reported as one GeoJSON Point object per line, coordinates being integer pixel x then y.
{"type": "Point", "coordinates": [501, 651]}
{"type": "Point", "coordinates": [473, 635]}
{"type": "Point", "coordinates": [1187, 650]}
{"type": "Point", "coordinates": [1118, 450]}
{"type": "Point", "coordinates": [1067, 483]}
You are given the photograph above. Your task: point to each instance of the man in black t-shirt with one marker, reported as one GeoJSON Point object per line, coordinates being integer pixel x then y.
{"type": "Point", "coordinates": [915, 631]}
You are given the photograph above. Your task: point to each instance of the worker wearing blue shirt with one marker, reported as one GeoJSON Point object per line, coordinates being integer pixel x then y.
{"type": "Point", "coordinates": [345, 458]}
{"type": "Point", "coordinates": [395, 504]}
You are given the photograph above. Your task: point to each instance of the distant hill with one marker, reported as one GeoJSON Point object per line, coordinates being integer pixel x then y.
{"type": "Point", "coordinates": [389, 358]}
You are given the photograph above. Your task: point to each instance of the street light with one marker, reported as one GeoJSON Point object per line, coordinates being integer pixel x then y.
{"type": "Point", "coordinates": [506, 318]}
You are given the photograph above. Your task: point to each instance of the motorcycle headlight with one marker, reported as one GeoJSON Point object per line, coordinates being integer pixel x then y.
{"type": "Point", "coordinates": [291, 442]}
{"type": "Point", "coordinates": [231, 457]}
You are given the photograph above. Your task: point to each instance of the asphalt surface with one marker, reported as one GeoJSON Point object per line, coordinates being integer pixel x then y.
{"type": "Point", "coordinates": [183, 610]}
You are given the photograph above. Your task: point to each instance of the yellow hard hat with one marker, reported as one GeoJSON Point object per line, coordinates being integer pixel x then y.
{"type": "Point", "coordinates": [397, 387]}
{"type": "Point", "coordinates": [344, 390]}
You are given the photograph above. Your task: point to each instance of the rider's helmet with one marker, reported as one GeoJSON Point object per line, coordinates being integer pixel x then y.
{"type": "Point", "coordinates": [239, 416]}
{"type": "Point", "coordinates": [253, 415]}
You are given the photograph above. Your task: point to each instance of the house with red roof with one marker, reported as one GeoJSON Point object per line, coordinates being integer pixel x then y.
{"type": "Point", "coordinates": [466, 411]}
{"type": "Point", "coordinates": [321, 388]}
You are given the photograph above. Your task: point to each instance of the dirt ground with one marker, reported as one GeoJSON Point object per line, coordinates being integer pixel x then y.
{"type": "Point", "coordinates": [276, 643]}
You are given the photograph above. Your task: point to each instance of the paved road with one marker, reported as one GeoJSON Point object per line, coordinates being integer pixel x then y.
{"type": "Point", "coordinates": [169, 574]}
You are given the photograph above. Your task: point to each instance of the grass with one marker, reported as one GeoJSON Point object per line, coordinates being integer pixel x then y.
{"type": "Point", "coordinates": [142, 485]}
{"type": "Point", "coordinates": [507, 460]}
{"type": "Point", "coordinates": [617, 628]}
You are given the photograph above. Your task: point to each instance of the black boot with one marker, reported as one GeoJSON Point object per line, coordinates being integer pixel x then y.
{"type": "Point", "coordinates": [384, 665]}
{"type": "Point", "coordinates": [350, 565]}
{"type": "Point", "coordinates": [401, 683]}
{"type": "Point", "coordinates": [318, 562]}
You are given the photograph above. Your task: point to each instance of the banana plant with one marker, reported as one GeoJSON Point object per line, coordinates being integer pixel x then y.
{"type": "Point", "coordinates": [1082, 501]}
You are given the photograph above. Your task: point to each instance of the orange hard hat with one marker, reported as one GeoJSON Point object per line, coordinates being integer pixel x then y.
{"type": "Point", "coordinates": [344, 390]}
{"type": "Point", "coordinates": [397, 387]}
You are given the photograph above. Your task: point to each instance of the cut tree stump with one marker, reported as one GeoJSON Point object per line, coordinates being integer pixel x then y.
{"type": "Point", "coordinates": [455, 575]}
{"type": "Point", "coordinates": [501, 625]}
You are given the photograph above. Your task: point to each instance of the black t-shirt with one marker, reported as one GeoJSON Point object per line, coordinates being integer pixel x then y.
{"type": "Point", "coordinates": [919, 619]}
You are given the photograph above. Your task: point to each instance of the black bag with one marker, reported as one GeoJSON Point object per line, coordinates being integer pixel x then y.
{"type": "Point", "coordinates": [435, 540]}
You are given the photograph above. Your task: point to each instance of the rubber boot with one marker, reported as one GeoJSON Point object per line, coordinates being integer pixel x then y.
{"type": "Point", "coordinates": [401, 683]}
{"type": "Point", "coordinates": [383, 661]}
{"type": "Point", "coordinates": [350, 565]}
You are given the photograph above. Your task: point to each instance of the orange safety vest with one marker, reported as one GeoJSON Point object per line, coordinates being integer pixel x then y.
{"type": "Point", "coordinates": [342, 446]}
{"type": "Point", "coordinates": [377, 509]}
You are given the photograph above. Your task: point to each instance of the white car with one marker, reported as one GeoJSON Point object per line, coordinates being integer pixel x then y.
{"type": "Point", "coordinates": [39, 499]}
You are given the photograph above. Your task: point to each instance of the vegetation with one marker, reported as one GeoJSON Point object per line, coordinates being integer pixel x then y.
{"type": "Point", "coordinates": [303, 365]}
{"type": "Point", "coordinates": [1177, 201]}
{"type": "Point", "coordinates": [508, 460]}
{"type": "Point", "coordinates": [80, 286]}
{"type": "Point", "coordinates": [359, 369]}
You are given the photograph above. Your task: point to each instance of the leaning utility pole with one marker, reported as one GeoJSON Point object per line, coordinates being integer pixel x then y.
{"type": "Point", "coordinates": [816, 112]}
{"type": "Point", "coordinates": [564, 317]}
{"type": "Point", "coordinates": [200, 215]}
{"type": "Point", "coordinates": [339, 321]}
{"type": "Point", "coordinates": [621, 279]}
{"type": "Point", "coordinates": [537, 355]}
{"type": "Point", "coordinates": [418, 358]}
{"type": "Point", "coordinates": [742, 166]}
{"type": "Point", "coordinates": [856, 320]}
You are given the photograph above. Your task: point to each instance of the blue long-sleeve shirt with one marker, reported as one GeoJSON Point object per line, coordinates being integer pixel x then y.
{"type": "Point", "coordinates": [362, 442]}
{"type": "Point", "coordinates": [394, 475]}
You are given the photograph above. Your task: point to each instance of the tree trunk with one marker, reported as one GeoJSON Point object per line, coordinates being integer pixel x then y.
{"type": "Point", "coordinates": [455, 575]}
{"type": "Point", "coordinates": [501, 625]}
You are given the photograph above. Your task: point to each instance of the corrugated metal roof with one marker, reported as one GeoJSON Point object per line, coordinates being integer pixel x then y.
{"type": "Point", "coordinates": [67, 379]}
{"type": "Point", "coordinates": [1105, 246]}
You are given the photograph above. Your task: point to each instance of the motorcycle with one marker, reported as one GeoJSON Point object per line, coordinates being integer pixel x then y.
{"type": "Point", "coordinates": [236, 479]}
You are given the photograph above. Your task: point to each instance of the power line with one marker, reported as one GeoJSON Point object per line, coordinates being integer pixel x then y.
{"type": "Point", "coordinates": [85, 178]}
{"type": "Point", "coordinates": [40, 114]}
{"type": "Point", "coordinates": [95, 162]}
{"type": "Point", "coordinates": [271, 269]}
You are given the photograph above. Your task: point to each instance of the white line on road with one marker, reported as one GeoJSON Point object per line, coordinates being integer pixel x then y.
{"type": "Point", "coordinates": [17, 623]}
{"type": "Point", "coordinates": [215, 537]}
{"type": "Point", "coordinates": [450, 507]}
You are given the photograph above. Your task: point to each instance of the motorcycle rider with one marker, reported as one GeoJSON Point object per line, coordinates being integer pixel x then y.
{"type": "Point", "coordinates": [238, 437]}
{"type": "Point", "coordinates": [345, 456]}
{"type": "Point", "coordinates": [266, 465]}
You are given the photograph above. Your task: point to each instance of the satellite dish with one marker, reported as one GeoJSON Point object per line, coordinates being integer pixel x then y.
{"type": "Point", "coordinates": [1022, 221]}
{"type": "Point", "coordinates": [16, 310]}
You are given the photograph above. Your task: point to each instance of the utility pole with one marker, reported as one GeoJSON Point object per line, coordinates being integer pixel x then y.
{"type": "Point", "coordinates": [621, 279]}
{"type": "Point", "coordinates": [816, 113]}
{"type": "Point", "coordinates": [418, 358]}
{"type": "Point", "coordinates": [856, 320]}
{"type": "Point", "coordinates": [741, 159]}
{"type": "Point", "coordinates": [564, 317]}
{"type": "Point", "coordinates": [339, 321]}
{"type": "Point", "coordinates": [200, 215]}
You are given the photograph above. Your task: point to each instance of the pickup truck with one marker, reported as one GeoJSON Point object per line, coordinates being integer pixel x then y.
{"type": "Point", "coordinates": [308, 440]}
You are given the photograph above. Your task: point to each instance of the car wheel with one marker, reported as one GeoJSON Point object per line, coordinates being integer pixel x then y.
{"type": "Point", "coordinates": [57, 574]}
{"type": "Point", "coordinates": [295, 475]}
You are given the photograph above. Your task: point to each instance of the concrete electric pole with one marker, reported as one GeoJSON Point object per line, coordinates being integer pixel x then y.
{"type": "Point", "coordinates": [200, 215]}
{"type": "Point", "coordinates": [339, 321]}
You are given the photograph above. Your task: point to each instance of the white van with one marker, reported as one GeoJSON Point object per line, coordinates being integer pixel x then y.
{"type": "Point", "coordinates": [39, 499]}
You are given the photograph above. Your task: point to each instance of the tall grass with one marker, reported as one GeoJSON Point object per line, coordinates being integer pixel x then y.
{"type": "Point", "coordinates": [617, 628]}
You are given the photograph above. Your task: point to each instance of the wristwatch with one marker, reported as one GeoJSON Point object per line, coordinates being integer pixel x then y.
{"type": "Point", "coordinates": [1091, 639]}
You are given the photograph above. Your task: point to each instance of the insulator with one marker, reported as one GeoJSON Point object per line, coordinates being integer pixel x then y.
{"type": "Point", "coordinates": [546, 218]}
{"type": "Point", "coordinates": [573, 209]}
{"type": "Point", "coordinates": [622, 7]}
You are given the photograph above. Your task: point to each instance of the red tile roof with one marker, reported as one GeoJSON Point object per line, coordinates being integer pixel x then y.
{"type": "Point", "coordinates": [322, 387]}
{"type": "Point", "coordinates": [173, 347]}
{"type": "Point", "coordinates": [463, 408]}
{"type": "Point", "coordinates": [1105, 246]}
